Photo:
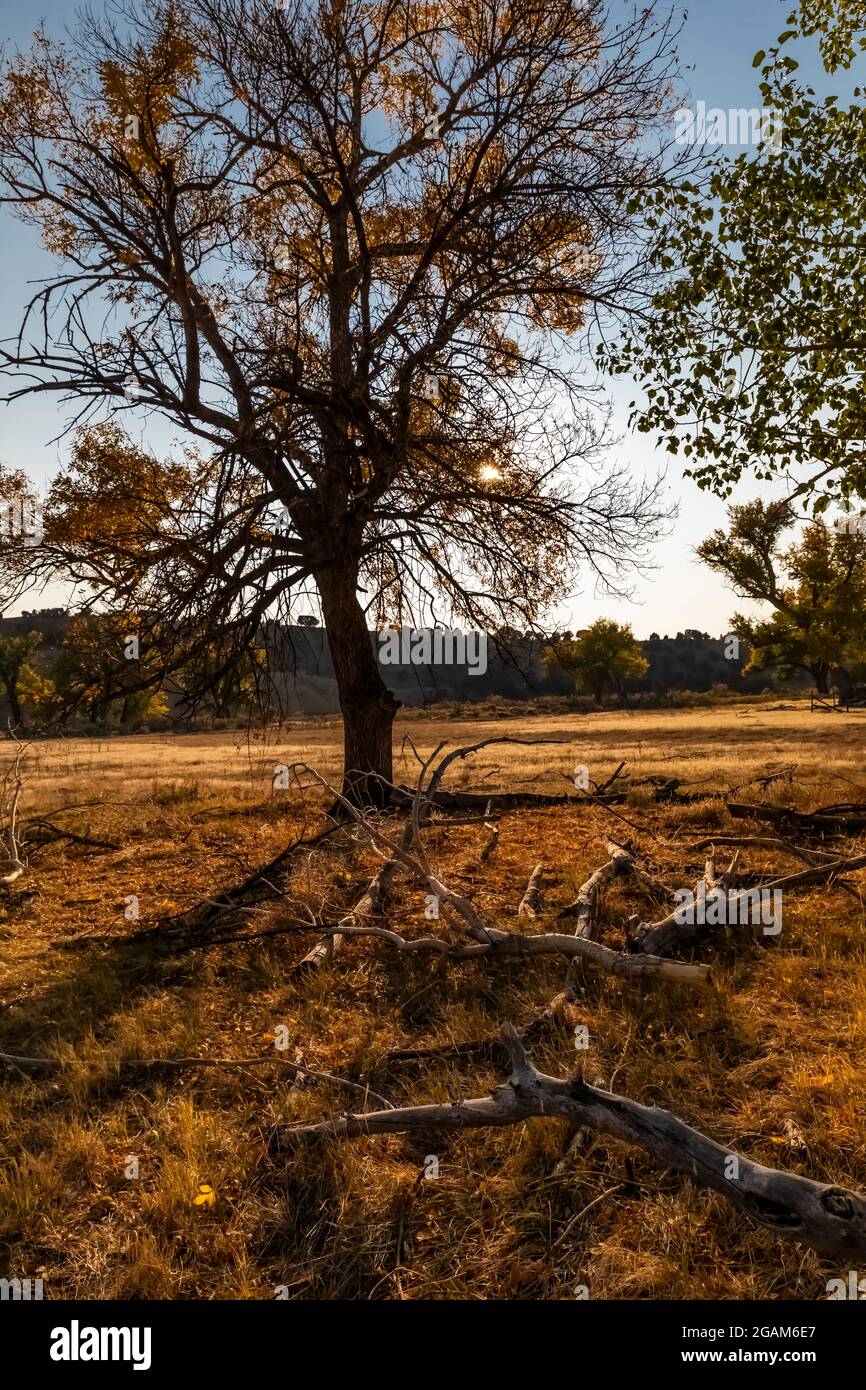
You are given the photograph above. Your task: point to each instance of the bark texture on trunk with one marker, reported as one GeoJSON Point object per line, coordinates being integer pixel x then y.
{"type": "Point", "coordinates": [14, 702]}
{"type": "Point", "coordinates": [366, 703]}
{"type": "Point", "coordinates": [821, 676]}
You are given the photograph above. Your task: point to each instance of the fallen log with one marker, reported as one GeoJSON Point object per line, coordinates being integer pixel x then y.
{"type": "Point", "coordinates": [492, 827]}
{"type": "Point", "coordinates": [487, 939]}
{"type": "Point", "coordinates": [671, 936]}
{"type": "Point", "coordinates": [823, 1217]}
{"type": "Point", "coordinates": [818, 873]}
{"type": "Point", "coordinates": [370, 901]}
{"type": "Point", "coordinates": [583, 907]}
{"type": "Point", "coordinates": [500, 943]}
{"type": "Point", "coordinates": [403, 797]}
{"type": "Point", "coordinates": [533, 899]}
{"type": "Point", "coordinates": [582, 910]}
{"type": "Point", "coordinates": [831, 819]}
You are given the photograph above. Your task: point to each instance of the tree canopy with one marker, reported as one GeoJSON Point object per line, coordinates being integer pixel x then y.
{"type": "Point", "coordinates": [816, 587]}
{"type": "Point", "coordinates": [606, 655]}
{"type": "Point", "coordinates": [752, 360]}
{"type": "Point", "coordinates": [16, 667]}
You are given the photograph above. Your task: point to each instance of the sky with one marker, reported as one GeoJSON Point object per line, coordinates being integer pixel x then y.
{"type": "Point", "coordinates": [717, 45]}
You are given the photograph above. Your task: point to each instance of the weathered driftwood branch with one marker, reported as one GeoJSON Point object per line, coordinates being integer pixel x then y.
{"type": "Point", "coordinates": [468, 749]}
{"type": "Point", "coordinates": [818, 873]}
{"type": "Point", "coordinates": [369, 903]}
{"type": "Point", "coordinates": [825, 1218]}
{"type": "Point", "coordinates": [493, 837]}
{"type": "Point", "coordinates": [455, 904]}
{"type": "Point", "coordinates": [500, 943]}
{"type": "Point", "coordinates": [12, 867]}
{"type": "Point", "coordinates": [532, 901]}
{"type": "Point", "coordinates": [670, 936]}
{"type": "Point", "coordinates": [583, 907]}
{"type": "Point", "coordinates": [430, 795]}
{"type": "Point", "coordinates": [325, 948]}
{"type": "Point", "coordinates": [583, 911]}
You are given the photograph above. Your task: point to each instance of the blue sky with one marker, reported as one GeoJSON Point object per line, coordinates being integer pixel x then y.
{"type": "Point", "coordinates": [718, 43]}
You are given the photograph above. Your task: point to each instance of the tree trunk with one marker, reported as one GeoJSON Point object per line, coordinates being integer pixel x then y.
{"type": "Point", "coordinates": [14, 702]}
{"type": "Point", "coordinates": [367, 705]}
{"type": "Point", "coordinates": [821, 676]}
{"type": "Point", "coordinates": [842, 679]}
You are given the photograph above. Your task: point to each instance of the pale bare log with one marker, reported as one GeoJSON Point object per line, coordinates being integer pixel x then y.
{"type": "Point", "coordinates": [369, 903]}
{"type": "Point", "coordinates": [819, 873]}
{"type": "Point", "coordinates": [501, 943]}
{"type": "Point", "coordinates": [583, 907]}
{"type": "Point", "coordinates": [416, 865]}
{"type": "Point", "coordinates": [826, 1218]}
{"type": "Point", "coordinates": [493, 837]}
{"type": "Point", "coordinates": [671, 935]}
{"type": "Point", "coordinates": [532, 901]}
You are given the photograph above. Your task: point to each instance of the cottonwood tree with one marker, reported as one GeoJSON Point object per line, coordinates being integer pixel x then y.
{"type": "Point", "coordinates": [100, 670]}
{"type": "Point", "coordinates": [17, 654]}
{"type": "Point", "coordinates": [605, 655]}
{"type": "Point", "coordinates": [350, 252]}
{"type": "Point", "coordinates": [752, 359]}
{"type": "Point", "coordinates": [816, 588]}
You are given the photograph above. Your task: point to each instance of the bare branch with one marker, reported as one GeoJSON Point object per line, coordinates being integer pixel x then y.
{"type": "Point", "coordinates": [825, 1218]}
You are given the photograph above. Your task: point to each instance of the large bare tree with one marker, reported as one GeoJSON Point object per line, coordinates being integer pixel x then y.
{"type": "Point", "coordinates": [353, 253]}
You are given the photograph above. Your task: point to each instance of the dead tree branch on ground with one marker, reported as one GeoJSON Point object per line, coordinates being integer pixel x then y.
{"type": "Point", "coordinates": [532, 901]}
{"type": "Point", "coordinates": [825, 1218]}
{"type": "Point", "coordinates": [832, 819]}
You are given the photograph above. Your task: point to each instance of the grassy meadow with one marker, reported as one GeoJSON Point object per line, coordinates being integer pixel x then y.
{"type": "Point", "coordinates": [771, 1060]}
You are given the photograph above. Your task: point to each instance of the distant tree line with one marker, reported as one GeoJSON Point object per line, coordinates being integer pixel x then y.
{"type": "Point", "coordinates": [97, 673]}
{"type": "Point", "coordinates": [91, 669]}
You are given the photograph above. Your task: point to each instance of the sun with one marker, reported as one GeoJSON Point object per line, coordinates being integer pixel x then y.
{"type": "Point", "coordinates": [489, 471]}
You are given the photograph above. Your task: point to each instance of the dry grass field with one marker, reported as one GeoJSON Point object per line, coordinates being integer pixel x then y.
{"type": "Point", "coordinates": [771, 1060]}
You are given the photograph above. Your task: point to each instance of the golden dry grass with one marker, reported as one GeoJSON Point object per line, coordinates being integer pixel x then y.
{"type": "Point", "coordinates": [770, 1062]}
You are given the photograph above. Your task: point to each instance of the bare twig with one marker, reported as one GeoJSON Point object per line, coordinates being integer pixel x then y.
{"type": "Point", "coordinates": [37, 1064]}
